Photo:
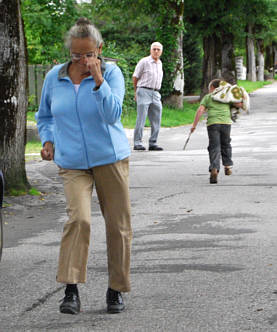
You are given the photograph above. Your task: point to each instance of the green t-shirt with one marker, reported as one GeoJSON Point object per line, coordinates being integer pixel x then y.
{"type": "Point", "coordinates": [217, 112]}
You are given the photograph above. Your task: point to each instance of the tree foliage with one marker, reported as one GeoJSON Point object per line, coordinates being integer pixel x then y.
{"type": "Point", "coordinates": [165, 17]}
{"type": "Point", "coordinates": [46, 23]}
{"type": "Point", "coordinates": [224, 23]}
{"type": "Point", "coordinates": [130, 26]}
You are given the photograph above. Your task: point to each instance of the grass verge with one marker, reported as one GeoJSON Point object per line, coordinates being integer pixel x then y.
{"type": "Point", "coordinates": [32, 151]}
{"type": "Point", "coordinates": [171, 117]}
{"type": "Point", "coordinates": [33, 147]}
{"type": "Point", "coordinates": [252, 86]}
{"type": "Point", "coordinates": [31, 116]}
{"type": "Point", "coordinates": [32, 192]}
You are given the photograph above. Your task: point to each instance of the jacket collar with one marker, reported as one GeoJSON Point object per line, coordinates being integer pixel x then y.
{"type": "Point", "coordinates": [63, 72]}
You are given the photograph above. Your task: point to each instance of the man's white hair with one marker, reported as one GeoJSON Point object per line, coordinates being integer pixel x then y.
{"type": "Point", "coordinates": [157, 44]}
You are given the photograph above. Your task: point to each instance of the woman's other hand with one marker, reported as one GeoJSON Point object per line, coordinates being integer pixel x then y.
{"type": "Point", "coordinates": [47, 152]}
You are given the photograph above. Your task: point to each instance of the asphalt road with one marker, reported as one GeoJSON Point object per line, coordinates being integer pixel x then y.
{"type": "Point", "coordinates": [204, 257]}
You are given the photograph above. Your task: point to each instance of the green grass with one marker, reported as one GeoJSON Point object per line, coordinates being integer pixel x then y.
{"type": "Point", "coordinates": [171, 117]}
{"type": "Point", "coordinates": [31, 116]}
{"type": "Point", "coordinates": [252, 86]}
{"type": "Point", "coordinates": [33, 147]}
{"type": "Point", "coordinates": [178, 117]}
{"type": "Point", "coordinates": [32, 192]}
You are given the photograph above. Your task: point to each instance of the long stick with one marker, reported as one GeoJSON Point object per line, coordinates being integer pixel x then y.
{"type": "Point", "coordinates": [187, 141]}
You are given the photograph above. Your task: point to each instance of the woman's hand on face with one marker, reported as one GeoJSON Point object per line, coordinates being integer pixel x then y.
{"type": "Point", "coordinates": [94, 67]}
{"type": "Point", "coordinates": [47, 152]}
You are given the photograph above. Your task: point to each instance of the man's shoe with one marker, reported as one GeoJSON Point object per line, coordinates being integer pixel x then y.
{"type": "Point", "coordinates": [155, 148]}
{"type": "Point", "coordinates": [114, 301]}
{"type": "Point", "coordinates": [228, 170]}
{"type": "Point", "coordinates": [139, 147]}
{"type": "Point", "coordinates": [213, 176]}
{"type": "Point", "coordinates": [71, 304]}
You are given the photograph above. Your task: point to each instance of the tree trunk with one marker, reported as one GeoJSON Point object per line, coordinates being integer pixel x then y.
{"type": "Point", "coordinates": [274, 46]}
{"type": "Point", "coordinates": [176, 97]}
{"type": "Point", "coordinates": [251, 60]}
{"type": "Point", "coordinates": [13, 91]}
{"type": "Point", "coordinates": [210, 64]}
{"type": "Point", "coordinates": [269, 57]}
{"type": "Point", "coordinates": [227, 58]}
{"type": "Point", "coordinates": [260, 48]}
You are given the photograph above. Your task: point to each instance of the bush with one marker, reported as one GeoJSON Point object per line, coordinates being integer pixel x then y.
{"type": "Point", "coordinates": [127, 63]}
{"type": "Point", "coordinates": [32, 106]}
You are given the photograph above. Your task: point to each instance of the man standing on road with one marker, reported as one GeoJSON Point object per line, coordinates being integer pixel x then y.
{"type": "Point", "coordinates": [147, 80]}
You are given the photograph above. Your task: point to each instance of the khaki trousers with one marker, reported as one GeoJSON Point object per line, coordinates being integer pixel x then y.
{"type": "Point", "coordinates": [112, 187]}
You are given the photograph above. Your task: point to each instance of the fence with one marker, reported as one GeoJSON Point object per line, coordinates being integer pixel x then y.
{"type": "Point", "coordinates": [36, 77]}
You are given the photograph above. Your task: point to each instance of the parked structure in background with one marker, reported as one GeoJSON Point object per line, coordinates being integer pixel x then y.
{"type": "Point", "coordinates": [240, 68]}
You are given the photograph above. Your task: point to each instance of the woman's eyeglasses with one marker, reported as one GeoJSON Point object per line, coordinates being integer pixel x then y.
{"type": "Point", "coordinates": [78, 57]}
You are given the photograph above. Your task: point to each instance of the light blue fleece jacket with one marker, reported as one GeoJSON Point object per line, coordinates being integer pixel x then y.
{"type": "Point", "coordinates": [84, 126]}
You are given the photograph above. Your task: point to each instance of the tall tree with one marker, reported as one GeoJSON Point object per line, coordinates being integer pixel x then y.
{"type": "Point", "coordinates": [251, 57]}
{"type": "Point", "coordinates": [217, 22]}
{"type": "Point", "coordinates": [13, 102]}
{"type": "Point", "coordinates": [192, 54]}
{"type": "Point", "coordinates": [168, 18]}
{"type": "Point", "coordinates": [210, 60]}
{"type": "Point", "coordinates": [274, 46]}
{"type": "Point", "coordinates": [259, 17]}
{"type": "Point", "coordinates": [260, 57]}
{"type": "Point", "coordinates": [170, 33]}
{"type": "Point", "coordinates": [227, 56]}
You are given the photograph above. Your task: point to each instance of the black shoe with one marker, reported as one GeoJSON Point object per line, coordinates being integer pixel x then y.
{"type": "Point", "coordinates": [114, 301]}
{"type": "Point", "coordinates": [155, 148]}
{"type": "Point", "coordinates": [139, 147]}
{"type": "Point", "coordinates": [71, 304]}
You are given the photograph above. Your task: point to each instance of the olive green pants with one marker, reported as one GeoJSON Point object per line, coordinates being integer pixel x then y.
{"type": "Point", "coordinates": [112, 187]}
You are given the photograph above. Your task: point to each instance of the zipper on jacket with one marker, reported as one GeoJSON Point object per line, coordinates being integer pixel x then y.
{"type": "Point", "coordinates": [80, 124]}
